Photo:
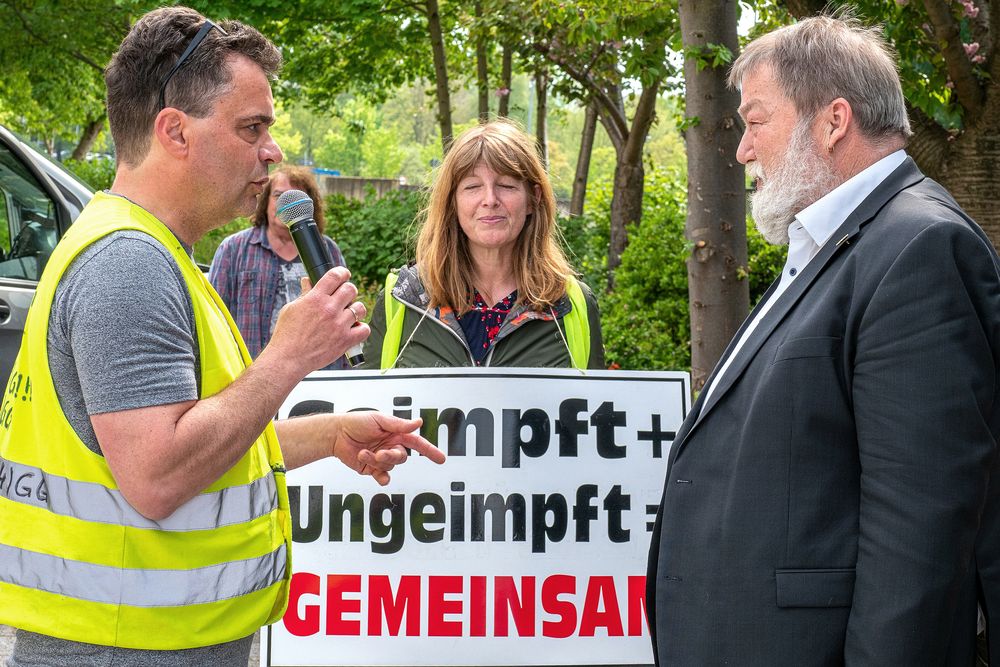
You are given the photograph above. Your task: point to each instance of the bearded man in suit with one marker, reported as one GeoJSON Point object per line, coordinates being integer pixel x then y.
{"type": "Point", "coordinates": [828, 499]}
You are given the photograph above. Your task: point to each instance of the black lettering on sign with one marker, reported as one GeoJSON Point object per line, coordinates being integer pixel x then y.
{"type": "Point", "coordinates": [569, 426]}
{"type": "Point", "coordinates": [606, 418]}
{"type": "Point", "coordinates": [514, 423]}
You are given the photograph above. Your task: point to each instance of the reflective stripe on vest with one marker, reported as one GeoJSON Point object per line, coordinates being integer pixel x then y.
{"type": "Point", "coordinates": [93, 502]}
{"type": "Point", "coordinates": [141, 588]}
{"type": "Point", "coordinates": [577, 326]}
{"type": "Point", "coordinates": [77, 562]}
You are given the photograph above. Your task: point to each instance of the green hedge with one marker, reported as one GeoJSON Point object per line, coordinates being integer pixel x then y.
{"type": "Point", "coordinates": [375, 235]}
{"type": "Point", "coordinates": [98, 174]}
{"type": "Point", "coordinates": [645, 321]}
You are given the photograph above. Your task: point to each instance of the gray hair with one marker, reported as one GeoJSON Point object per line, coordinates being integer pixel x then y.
{"type": "Point", "coordinates": [150, 50]}
{"type": "Point", "coordinates": [822, 58]}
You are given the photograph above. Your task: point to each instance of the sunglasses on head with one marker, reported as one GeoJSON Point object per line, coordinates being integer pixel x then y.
{"type": "Point", "coordinates": [199, 37]}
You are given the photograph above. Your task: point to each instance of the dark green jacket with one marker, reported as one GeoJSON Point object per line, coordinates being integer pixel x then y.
{"type": "Point", "coordinates": [526, 339]}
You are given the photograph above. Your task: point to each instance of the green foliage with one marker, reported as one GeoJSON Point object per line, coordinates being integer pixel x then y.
{"type": "Point", "coordinates": [53, 56]}
{"type": "Point", "coordinates": [204, 249]}
{"type": "Point", "coordinates": [585, 242]}
{"type": "Point", "coordinates": [97, 173]}
{"type": "Point", "coordinates": [364, 46]}
{"type": "Point", "coordinates": [645, 321]}
{"type": "Point", "coordinates": [375, 235]}
{"type": "Point", "coordinates": [764, 263]}
{"type": "Point", "coordinates": [709, 55]}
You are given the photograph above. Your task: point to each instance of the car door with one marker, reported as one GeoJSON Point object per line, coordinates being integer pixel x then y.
{"type": "Point", "coordinates": [38, 202]}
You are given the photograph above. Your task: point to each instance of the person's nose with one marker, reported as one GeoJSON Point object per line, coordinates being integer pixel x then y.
{"type": "Point", "coordinates": [490, 196]}
{"type": "Point", "coordinates": [270, 151]}
{"type": "Point", "coordinates": [745, 152]}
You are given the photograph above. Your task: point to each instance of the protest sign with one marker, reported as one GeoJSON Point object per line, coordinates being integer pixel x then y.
{"type": "Point", "coordinates": [527, 547]}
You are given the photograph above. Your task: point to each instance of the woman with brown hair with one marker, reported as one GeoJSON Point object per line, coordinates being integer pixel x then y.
{"type": "Point", "coordinates": [491, 285]}
{"type": "Point", "coordinates": [257, 271]}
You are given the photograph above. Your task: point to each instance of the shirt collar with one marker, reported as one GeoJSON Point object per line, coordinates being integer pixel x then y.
{"type": "Point", "coordinates": [822, 218]}
{"type": "Point", "coordinates": [258, 235]}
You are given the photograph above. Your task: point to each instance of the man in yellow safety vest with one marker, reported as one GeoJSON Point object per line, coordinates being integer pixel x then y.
{"type": "Point", "coordinates": [143, 511]}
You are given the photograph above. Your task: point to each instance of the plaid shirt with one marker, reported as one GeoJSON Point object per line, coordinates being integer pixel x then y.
{"type": "Point", "coordinates": [246, 273]}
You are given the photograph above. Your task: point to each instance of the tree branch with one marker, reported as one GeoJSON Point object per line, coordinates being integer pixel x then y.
{"type": "Point", "coordinates": [393, 8]}
{"type": "Point", "coordinates": [645, 113]}
{"type": "Point", "coordinates": [614, 132]}
{"type": "Point", "coordinates": [613, 110]}
{"type": "Point", "coordinates": [74, 54]}
{"type": "Point", "coordinates": [967, 88]}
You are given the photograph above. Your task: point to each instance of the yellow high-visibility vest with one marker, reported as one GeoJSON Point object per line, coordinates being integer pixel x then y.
{"type": "Point", "coordinates": [576, 323]}
{"type": "Point", "coordinates": [77, 562]}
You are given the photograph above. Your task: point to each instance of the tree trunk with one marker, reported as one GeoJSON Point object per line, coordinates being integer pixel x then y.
{"type": "Point", "coordinates": [506, 65]}
{"type": "Point", "coordinates": [628, 140]}
{"type": "Point", "coordinates": [970, 169]}
{"type": "Point", "coordinates": [482, 73]}
{"type": "Point", "coordinates": [541, 97]}
{"type": "Point", "coordinates": [716, 217]}
{"type": "Point", "coordinates": [966, 163]}
{"type": "Point", "coordinates": [583, 161]}
{"type": "Point", "coordinates": [626, 210]}
{"type": "Point", "coordinates": [440, 74]}
{"type": "Point", "coordinates": [87, 138]}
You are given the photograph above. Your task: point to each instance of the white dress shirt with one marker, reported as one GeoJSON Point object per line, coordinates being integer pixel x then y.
{"type": "Point", "coordinates": [809, 231]}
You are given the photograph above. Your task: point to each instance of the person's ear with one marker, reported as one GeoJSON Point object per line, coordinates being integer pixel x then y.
{"type": "Point", "coordinates": [537, 197]}
{"type": "Point", "coordinates": [170, 130]}
{"type": "Point", "coordinates": [837, 119]}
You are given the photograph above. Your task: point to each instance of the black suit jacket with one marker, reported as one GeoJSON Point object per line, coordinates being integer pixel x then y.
{"type": "Point", "coordinates": [823, 506]}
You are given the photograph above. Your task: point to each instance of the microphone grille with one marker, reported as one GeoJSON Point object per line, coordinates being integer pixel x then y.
{"type": "Point", "coordinates": [294, 205]}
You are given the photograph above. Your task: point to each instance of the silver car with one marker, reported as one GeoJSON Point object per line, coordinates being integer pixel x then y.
{"type": "Point", "coordinates": [40, 201]}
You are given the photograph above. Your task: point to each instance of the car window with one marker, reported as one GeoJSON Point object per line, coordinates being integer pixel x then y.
{"type": "Point", "coordinates": [28, 220]}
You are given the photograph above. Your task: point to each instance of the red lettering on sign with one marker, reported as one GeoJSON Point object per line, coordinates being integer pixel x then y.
{"type": "Point", "coordinates": [369, 605]}
{"type": "Point", "coordinates": [636, 606]}
{"type": "Point", "coordinates": [438, 607]}
{"type": "Point", "coordinates": [407, 598]}
{"type": "Point", "coordinates": [522, 607]}
{"type": "Point", "coordinates": [552, 588]}
{"type": "Point", "coordinates": [303, 583]}
{"type": "Point", "coordinates": [337, 606]}
{"type": "Point", "coordinates": [601, 589]}
{"type": "Point", "coordinates": [477, 607]}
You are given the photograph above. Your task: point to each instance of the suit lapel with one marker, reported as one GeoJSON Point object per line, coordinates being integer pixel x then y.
{"type": "Point", "coordinates": [902, 177]}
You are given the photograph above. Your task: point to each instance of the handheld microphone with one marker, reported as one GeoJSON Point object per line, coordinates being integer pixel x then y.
{"type": "Point", "coordinates": [295, 210]}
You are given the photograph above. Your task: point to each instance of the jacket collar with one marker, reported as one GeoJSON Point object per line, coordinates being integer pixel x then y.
{"type": "Point", "coordinates": [904, 176]}
{"type": "Point", "coordinates": [410, 290]}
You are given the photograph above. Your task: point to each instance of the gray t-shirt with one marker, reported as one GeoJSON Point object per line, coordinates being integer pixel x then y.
{"type": "Point", "coordinates": [121, 336]}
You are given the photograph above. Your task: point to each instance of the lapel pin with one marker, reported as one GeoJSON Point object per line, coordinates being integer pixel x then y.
{"type": "Point", "coordinates": [844, 241]}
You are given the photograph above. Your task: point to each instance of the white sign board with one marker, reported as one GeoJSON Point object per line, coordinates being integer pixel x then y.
{"type": "Point", "coordinates": [527, 547]}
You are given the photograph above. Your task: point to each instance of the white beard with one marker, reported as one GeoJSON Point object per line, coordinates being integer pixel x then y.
{"type": "Point", "coordinates": [801, 177]}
